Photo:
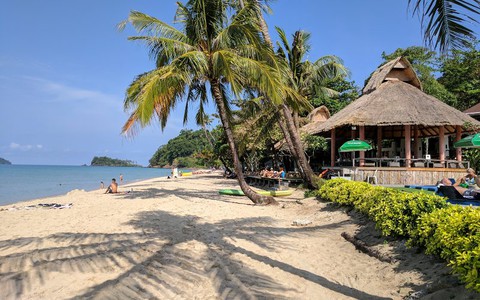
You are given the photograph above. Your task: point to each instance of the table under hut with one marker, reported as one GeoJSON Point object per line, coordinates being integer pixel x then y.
{"type": "Point", "coordinates": [394, 110]}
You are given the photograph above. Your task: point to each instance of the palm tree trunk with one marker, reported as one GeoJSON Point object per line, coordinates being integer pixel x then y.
{"type": "Point", "coordinates": [296, 146]}
{"type": "Point", "coordinates": [301, 158]}
{"type": "Point", "coordinates": [288, 140]}
{"type": "Point", "coordinates": [256, 198]}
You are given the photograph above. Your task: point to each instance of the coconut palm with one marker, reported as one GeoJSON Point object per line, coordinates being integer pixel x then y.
{"type": "Point", "coordinates": [215, 51]}
{"type": "Point", "coordinates": [306, 78]}
{"type": "Point", "coordinates": [444, 21]}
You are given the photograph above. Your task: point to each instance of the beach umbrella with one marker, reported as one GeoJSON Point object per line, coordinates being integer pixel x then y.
{"type": "Point", "coordinates": [355, 145]}
{"type": "Point", "coordinates": [471, 141]}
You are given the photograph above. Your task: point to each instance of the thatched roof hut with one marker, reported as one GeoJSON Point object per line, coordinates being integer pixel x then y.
{"type": "Point", "coordinates": [474, 111]}
{"type": "Point", "coordinates": [316, 117]}
{"type": "Point", "coordinates": [392, 98]}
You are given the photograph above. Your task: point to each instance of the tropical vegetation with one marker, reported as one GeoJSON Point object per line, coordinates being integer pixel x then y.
{"type": "Point", "coordinates": [189, 149]}
{"type": "Point", "coordinates": [215, 53]}
{"type": "Point", "coordinates": [451, 232]}
{"type": "Point", "coordinates": [445, 23]}
{"type": "Point", "coordinates": [112, 162]}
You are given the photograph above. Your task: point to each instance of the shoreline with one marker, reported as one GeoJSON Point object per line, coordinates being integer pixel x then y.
{"type": "Point", "coordinates": [180, 238]}
{"type": "Point", "coordinates": [133, 182]}
{"type": "Point", "coordinates": [51, 186]}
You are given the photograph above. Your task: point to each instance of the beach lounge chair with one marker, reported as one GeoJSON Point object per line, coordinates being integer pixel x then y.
{"type": "Point", "coordinates": [451, 193]}
{"type": "Point", "coordinates": [454, 197]}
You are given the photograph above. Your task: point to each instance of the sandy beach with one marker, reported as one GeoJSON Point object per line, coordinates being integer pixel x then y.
{"type": "Point", "coordinates": [180, 239]}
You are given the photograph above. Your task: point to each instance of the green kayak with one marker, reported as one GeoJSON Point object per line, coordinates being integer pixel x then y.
{"type": "Point", "coordinates": [233, 192]}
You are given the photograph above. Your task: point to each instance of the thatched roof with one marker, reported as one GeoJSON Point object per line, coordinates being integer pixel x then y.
{"type": "Point", "coordinates": [398, 69]}
{"type": "Point", "coordinates": [316, 117]}
{"type": "Point", "coordinates": [393, 97]}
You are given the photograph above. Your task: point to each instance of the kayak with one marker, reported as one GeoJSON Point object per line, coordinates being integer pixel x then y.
{"type": "Point", "coordinates": [187, 174]}
{"type": "Point", "coordinates": [233, 192]}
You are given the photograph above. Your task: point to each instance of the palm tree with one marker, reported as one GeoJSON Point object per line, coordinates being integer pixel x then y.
{"type": "Point", "coordinates": [285, 114]}
{"type": "Point", "coordinates": [443, 21]}
{"type": "Point", "coordinates": [215, 51]}
{"type": "Point", "coordinates": [306, 78]}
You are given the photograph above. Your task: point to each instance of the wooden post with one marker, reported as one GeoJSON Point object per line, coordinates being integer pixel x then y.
{"type": "Point", "coordinates": [379, 141]}
{"type": "Point", "coordinates": [408, 143]}
{"type": "Point", "coordinates": [441, 143]}
{"type": "Point", "coordinates": [458, 137]}
{"type": "Point", "coordinates": [416, 142]}
{"type": "Point", "coordinates": [332, 147]}
{"type": "Point", "coordinates": [361, 136]}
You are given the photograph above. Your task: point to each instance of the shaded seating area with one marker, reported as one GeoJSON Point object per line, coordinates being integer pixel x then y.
{"type": "Point", "coordinates": [270, 182]}
{"type": "Point", "coordinates": [410, 131]}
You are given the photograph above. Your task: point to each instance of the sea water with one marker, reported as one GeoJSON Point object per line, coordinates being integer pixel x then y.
{"type": "Point", "coordinates": [25, 182]}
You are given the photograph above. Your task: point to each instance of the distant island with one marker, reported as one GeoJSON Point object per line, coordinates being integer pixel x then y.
{"type": "Point", "coordinates": [112, 162]}
{"type": "Point", "coordinates": [4, 162]}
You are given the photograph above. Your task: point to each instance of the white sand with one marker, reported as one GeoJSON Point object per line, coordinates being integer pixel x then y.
{"type": "Point", "coordinates": [180, 239]}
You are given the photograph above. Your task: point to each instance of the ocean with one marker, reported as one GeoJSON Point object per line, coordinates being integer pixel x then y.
{"type": "Point", "coordinates": [26, 182]}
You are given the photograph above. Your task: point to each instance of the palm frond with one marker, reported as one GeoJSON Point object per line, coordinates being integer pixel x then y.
{"type": "Point", "coordinates": [144, 23]}
{"type": "Point", "coordinates": [443, 21]}
{"type": "Point", "coordinates": [163, 50]}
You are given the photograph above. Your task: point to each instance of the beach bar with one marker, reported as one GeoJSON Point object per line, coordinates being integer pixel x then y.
{"type": "Point", "coordinates": [411, 132]}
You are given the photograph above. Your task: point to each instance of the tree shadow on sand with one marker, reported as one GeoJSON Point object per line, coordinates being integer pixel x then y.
{"type": "Point", "coordinates": [168, 255]}
{"type": "Point", "coordinates": [434, 272]}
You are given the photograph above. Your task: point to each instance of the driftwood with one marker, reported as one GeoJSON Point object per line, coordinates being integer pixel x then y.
{"type": "Point", "coordinates": [363, 247]}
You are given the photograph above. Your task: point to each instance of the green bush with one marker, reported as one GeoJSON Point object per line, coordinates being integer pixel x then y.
{"type": "Point", "coordinates": [453, 233]}
{"type": "Point", "coordinates": [394, 212]}
{"type": "Point", "coordinates": [449, 231]}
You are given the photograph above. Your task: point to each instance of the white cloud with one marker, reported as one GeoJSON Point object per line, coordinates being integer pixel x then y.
{"type": "Point", "coordinates": [59, 92]}
{"type": "Point", "coordinates": [16, 146]}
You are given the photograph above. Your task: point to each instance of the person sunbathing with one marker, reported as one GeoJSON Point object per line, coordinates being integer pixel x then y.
{"type": "Point", "coordinates": [464, 191]}
{"type": "Point", "coordinates": [470, 180]}
{"type": "Point", "coordinates": [112, 188]}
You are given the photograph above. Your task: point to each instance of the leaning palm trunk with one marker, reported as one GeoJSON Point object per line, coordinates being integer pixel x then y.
{"type": "Point", "coordinates": [291, 133]}
{"type": "Point", "coordinates": [256, 198]}
{"type": "Point", "coordinates": [297, 148]}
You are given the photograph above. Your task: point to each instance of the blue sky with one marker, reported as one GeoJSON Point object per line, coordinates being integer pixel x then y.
{"type": "Point", "coordinates": [64, 68]}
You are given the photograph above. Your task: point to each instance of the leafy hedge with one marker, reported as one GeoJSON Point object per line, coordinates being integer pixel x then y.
{"type": "Point", "coordinates": [394, 212]}
{"type": "Point", "coordinates": [453, 233]}
{"type": "Point", "coordinates": [449, 231]}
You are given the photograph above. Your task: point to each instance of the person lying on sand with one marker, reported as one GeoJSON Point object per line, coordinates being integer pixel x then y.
{"type": "Point", "coordinates": [112, 188]}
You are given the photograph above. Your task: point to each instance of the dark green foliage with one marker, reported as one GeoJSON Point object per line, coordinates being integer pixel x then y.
{"type": "Point", "coordinates": [347, 92]}
{"type": "Point", "coordinates": [453, 233]}
{"type": "Point", "coordinates": [394, 212]}
{"type": "Point", "coordinates": [184, 146]}
{"type": "Point", "coordinates": [449, 231]}
{"type": "Point", "coordinates": [461, 75]}
{"type": "Point", "coordinates": [112, 162]}
{"type": "Point", "coordinates": [473, 156]}
{"type": "Point", "coordinates": [4, 162]}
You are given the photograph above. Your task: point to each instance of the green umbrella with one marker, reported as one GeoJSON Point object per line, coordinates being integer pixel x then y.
{"type": "Point", "coordinates": [355, 145]}
{"type": "Point", "coordinates": [471, 141]}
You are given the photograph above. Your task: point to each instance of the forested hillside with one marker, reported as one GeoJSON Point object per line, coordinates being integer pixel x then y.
{"type": "Point", "coordinates": [112, 162]}
{"type": "Point", "coordinates": [188, 149]}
